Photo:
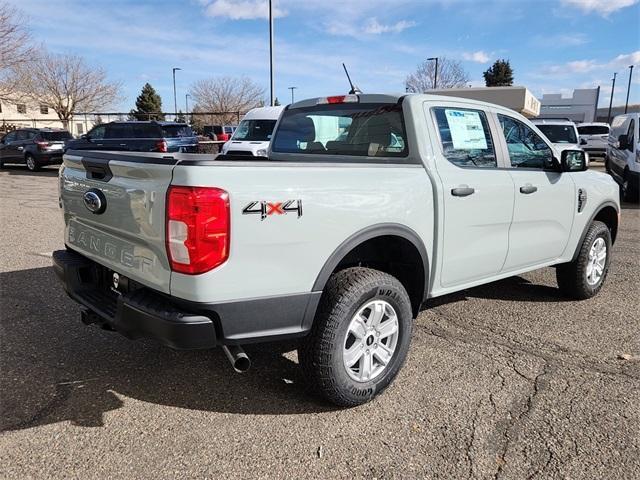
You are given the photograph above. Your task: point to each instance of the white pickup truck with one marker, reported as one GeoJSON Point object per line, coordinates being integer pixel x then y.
{"type": "Point", "coordinates": [366, 206]}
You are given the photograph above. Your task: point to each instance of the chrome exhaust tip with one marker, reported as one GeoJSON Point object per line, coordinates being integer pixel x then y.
{"type": "Point", "coordinates": [237, 357]}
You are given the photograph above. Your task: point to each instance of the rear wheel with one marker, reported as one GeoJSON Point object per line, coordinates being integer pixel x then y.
{"type": "Point", "coordinates": [360, 337]}
{"type": "Point", "coordinates": [32, 165]}
{"type": "Point", "coordinates": [584, 277]}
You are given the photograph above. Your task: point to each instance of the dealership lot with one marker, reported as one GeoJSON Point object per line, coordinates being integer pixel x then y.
{"type": "Point", "coordinates": [506, 380]}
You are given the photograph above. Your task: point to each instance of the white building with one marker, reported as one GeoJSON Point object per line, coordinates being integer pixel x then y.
{"type": "Point", "coordinates": [25, 113]}
{"type": "Point", "coordinates": [580, 107]}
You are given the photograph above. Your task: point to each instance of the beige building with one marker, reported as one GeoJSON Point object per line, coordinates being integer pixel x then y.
{"type": "Point", "coordinates": [25, 113]}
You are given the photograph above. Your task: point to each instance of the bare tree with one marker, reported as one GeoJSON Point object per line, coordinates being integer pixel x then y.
{"type": "Point", "coordinates": [67, 84]}
{"type": "Point", "coordinates": [15, 49]}
{"type": "Point", "coordinates": [226, 95]}
{"type": "Point", "coordinates": [451, 74]}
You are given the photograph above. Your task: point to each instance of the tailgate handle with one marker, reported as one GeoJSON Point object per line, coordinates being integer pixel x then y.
{"type": "Point", "coordinates": [97, 170]}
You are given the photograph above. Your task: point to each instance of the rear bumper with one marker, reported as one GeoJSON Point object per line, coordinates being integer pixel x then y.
{"type": "Point", "coordinates": [177, 323]}
{"type": "Point", "coordinates": [595, 151]}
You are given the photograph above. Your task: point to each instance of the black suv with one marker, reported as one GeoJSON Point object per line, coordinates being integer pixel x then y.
{"type": "Point", "coordinates": [34, 147]}
{"type": "Point", "coordinates": [138, 136]}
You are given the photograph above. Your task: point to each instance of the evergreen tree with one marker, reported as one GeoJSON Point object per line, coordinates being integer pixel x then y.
{"type": "Point", "coordinates": [148, 104]}
{"type": "Point", "coordinates": [499, 75]}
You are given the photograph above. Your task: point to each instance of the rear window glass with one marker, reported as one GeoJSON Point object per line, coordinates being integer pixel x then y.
{"type": "Point", "coordinates": [559, 133]}
{"type": "Point", "coordinates": [354, 129]}
{"type": "Point", "coordinates": [55, 136]}
{"type": "Point", "coordinates": [175, 131]}
{"type": "Point", "coordinates": [593, 130]}
{"type": "Point", "coordinates": [254, 130]}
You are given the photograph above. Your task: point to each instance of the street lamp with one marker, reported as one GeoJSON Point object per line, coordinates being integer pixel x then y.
{"type": "Point", "coordinates": [186, 107]}
{"type": "Point", "coordinates": [626, 105]}
{"type": "Point", "coordinates": [271, 49]}
{"type": "Point", "coordinates": [435, 76]}
{"type": "Point", "coordinates": [613, 87]}
{"type": "Point", "coordinates": [292, 89]}
{"type": "Point", "coordinates": [175, 99]}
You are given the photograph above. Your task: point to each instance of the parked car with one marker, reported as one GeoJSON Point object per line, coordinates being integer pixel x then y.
{"type": "Point", "coordinates": [253, 135]}
{"type": "Point", "coordinates": [594, 138]}
{"type": "Point", "coordinates": [563, 133]}
{"type": "Point", "coordinates": [219, 132]}
{"type": "Point", "coordinates": [623, 154]}
{"type": "Point", "coordinates": [33, 147]}
{"type": "Point", "coordinates": [138, 136]}
{"type": "Point", "coordinates": [365, 207]}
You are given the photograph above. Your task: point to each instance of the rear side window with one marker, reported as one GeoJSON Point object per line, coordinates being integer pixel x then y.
{"type": "Point", "coordinates": [352, 129]}
{"type": "Point", "coordinates": [175, 131]}
{"type": "Point", "coordinates": [593, 130]}
{"type": "Point", "coordinates": [145, 131]}
{"type": "Point", "coordinates": [119, 131]}
{"type": "Point", "coordinates": [466, 138]}
{"type": "Point", "coordinates": [55, 136]}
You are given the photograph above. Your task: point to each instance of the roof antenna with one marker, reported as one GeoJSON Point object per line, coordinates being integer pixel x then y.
{"type": "Point", "coordinates": [354, 90]}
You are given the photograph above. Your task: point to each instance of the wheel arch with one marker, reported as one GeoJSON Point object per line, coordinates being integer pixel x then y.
{"type": "Point", "coordinates": [364, 247]}
{"type": "Point", "coordinates": [606, 213]}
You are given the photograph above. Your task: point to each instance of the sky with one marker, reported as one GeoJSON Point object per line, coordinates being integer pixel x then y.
{"type": "Point", "coordinates": [554, 46]}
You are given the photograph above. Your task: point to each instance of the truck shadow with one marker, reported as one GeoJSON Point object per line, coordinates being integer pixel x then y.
{"type": "Point", "coordinates": [56, 369]}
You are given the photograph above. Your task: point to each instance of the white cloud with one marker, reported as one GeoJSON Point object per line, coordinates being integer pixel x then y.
{"type": "Point", "coordinates": [602, 7]}
{"type": "Point", "coordinates": [478, 57]}
{"type": "Point", "coordinates": [561, 40]}
{"type": "Point", "coordinates": [242, 10]}
{"type": "Point", "coordinates": [586, 66]}
{"type": "Point", "coordinates": [373, 27]}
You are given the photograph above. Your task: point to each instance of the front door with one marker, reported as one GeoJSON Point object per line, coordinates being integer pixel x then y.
{"type": "Point", "coordinates": [545, 199]}
{"type": "Point", "coordinates": [8, 149]}
{"type": "Point", "coordinates": [477, 196]}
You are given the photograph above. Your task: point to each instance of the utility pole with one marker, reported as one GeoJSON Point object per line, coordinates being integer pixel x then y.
{"type": "Point", "coordinates": [435, 76]}
{"type": "Point", "coordinates": [271, 49]}
{"type": "Point", "coordinates": [613, 87]}
{"type": "Point", "coordinates": [292, 89]}
{"type": "Point", "coordinates": [175, 99]}
{"type": "Point", "coordinates": [626, 104]}
{"type": "Point", "coordinates": [186, 107]}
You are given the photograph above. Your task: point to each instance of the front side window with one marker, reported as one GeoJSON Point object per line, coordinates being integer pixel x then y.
{"type": "Point", "coordinates": [351, 129]}
{"type": "Point", "coordinates": [10, 137]}
{"type": "Point", "coordinates": [119, 131]}
{"type": "Point", "coordinates": [559, 133]}
{"type": "Point", "coordinates": [630, 135]}
{"type": "Point", "coordinates": [465, 137]}
{"type": "Point", "coordinates": [526, 148]}
{"type": "Point", "coordinates": [254, 131]}
{"type": "Point", "coordinates": [97, 133]}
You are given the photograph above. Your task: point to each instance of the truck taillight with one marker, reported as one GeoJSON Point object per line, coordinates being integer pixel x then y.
{"type": "Point", "coordinates": [161, 146]}
{"type": "Point", "coordinates": [198, 228]}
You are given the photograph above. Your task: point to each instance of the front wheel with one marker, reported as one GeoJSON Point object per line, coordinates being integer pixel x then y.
{"type": "Point", "coordinates": [584, 277]}
{"type": "Point", "coordinates": [360, 337]}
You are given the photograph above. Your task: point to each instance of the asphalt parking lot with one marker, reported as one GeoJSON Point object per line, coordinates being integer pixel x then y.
{"type": "Point", "coordinates": [508, 380]}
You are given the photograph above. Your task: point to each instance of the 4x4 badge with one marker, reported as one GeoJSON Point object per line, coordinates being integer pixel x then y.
{"type": "Point", "coordinates": [266, 209]}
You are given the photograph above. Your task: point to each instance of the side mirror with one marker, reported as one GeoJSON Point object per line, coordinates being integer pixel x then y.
{"type": "Point", "coordinates": [85, 137]}
{"type": "Point", "coordinates": [623, 142]}
{"type": "Point", "coordinates": [583, 141]}
{"type": "Point", "coordinates": [573, 160]}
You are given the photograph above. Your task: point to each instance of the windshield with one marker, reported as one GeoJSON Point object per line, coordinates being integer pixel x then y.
{"type": "Point", "coordinates": [593, 130]}
{"type": "Point", "coordinates": [559, 133]}
{"type": "Point", "coordinates": [254, 130]}
{"type": "Point", "coordinates": [355, 129]}
{"type": "Point", "coordinates": [55, 136]}
{"type": "Point", "coordinates": [174, 131]}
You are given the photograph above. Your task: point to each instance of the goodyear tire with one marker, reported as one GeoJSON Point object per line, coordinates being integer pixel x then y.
{"type": "Point", "coordinates": [584, 277]}
{"type": "Point", "coordinates": [360, 336]}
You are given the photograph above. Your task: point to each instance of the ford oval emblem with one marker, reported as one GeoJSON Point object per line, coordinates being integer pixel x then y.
{"type": "Point", "coordinates": [95, 201]}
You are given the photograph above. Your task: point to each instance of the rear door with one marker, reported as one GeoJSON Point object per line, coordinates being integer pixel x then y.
{"type": "Point", "coordinates": [128, 237]}
{"type": "Point", "coordinates": [545, 199]}
{"type": "Point", "coordinates": [477, 196]}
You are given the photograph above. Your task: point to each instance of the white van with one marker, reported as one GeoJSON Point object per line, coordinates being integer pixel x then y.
{"type": "Point", "coordinates": [623, 154]}
{"type": "Point", "coordinates": [253, 135]}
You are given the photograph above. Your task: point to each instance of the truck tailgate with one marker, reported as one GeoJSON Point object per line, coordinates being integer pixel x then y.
{"type": "Point", "coordinates": [128, 235]}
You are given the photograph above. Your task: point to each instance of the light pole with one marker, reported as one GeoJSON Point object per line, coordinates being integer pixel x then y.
{"type": "Point", "coordinates": [175, 99]}
{"type": "Point", "coordinates": [271, 48]}
{"type": "Point", "coordinates": [186, 106]}
{"type": "Point", "coordinates": [613, 87]}
{"type": "Point", "coordinates": [626, 104]}
{"type": "Point", "coordinates": [435, 76]}
{"type": "Point", "coordinates": [292, 89]}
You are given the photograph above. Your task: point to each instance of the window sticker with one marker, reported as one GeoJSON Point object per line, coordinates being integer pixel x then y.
{"type": "Point", "coordinates": [467, 132]}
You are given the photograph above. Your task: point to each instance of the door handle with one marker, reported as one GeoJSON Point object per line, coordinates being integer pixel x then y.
{"type": "Point", "coordinates": [123, 144]}
{"type": "Point", "coordinates": [528, 188]}
{"type": "Point", "coordinates": [462, 191]}
{"type": "Point", "coordinates": [20, 149]}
